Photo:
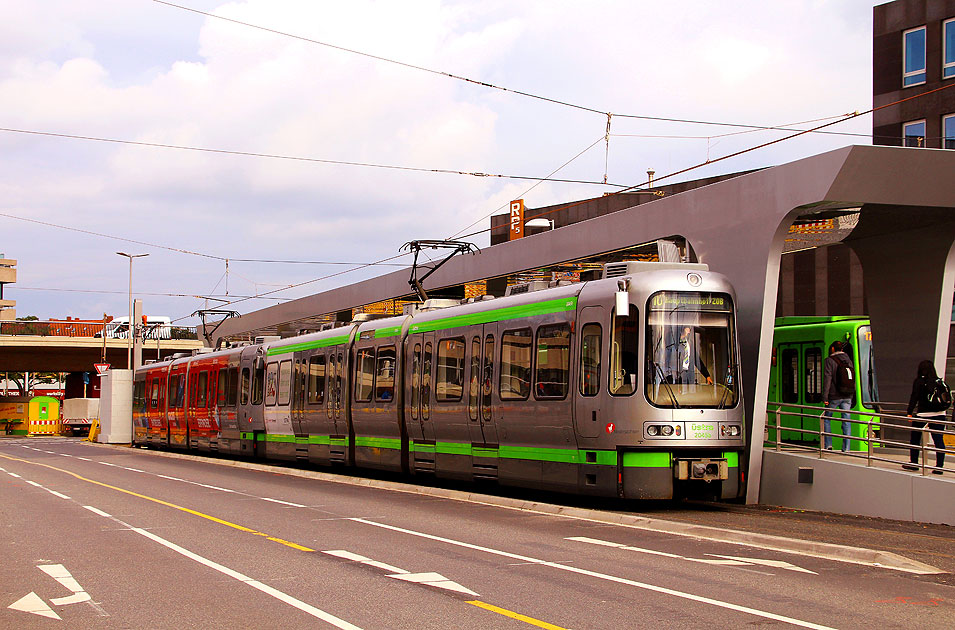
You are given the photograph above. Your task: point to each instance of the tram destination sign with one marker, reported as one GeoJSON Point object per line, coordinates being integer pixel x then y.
{"type": "Point", "coordinates": [691, 301]}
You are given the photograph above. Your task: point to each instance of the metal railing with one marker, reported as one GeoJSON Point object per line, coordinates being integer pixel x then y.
{"type": "Point", "coordinates": [97, 329]}
{"type": "Point", "coordinates": [874, 442]}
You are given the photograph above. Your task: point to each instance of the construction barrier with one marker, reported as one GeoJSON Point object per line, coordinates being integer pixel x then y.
{"type": "Point", "coordinates": [94, 431]}
{"type": "Point", "coordinates": [38, 416]}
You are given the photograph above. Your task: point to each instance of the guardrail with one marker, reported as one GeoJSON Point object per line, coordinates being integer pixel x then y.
{"type": "Point", "coordinates": [111, 330]}
{"type": "Point", "coordinates": [872, 436]}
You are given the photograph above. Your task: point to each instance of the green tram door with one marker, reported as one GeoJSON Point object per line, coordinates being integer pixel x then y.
{"type": "Point", "coordinates": [798, 377]}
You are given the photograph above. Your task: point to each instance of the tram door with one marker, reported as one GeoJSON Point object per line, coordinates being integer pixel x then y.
{"type": "Point", "coordinates": [421, 424]}
{"type": "Point", "coordinates": [800, 383]}
{"type": "Point", "coordinates": [299, 384]}
{"type": "Point", "coordinates": [482, 425]}
{"type": "Point", "coordinates": [592, 337]}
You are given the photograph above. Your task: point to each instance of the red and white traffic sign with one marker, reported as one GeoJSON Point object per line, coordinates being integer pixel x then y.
{"type": "Point", "coordinates": [101, 368]}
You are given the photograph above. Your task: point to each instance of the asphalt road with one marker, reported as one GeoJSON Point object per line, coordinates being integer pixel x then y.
{"type": "Point", "coordinates": [105, 537]}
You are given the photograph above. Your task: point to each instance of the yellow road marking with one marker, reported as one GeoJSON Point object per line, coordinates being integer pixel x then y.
{"type": "Point", "coordinates": [514, 615]}
{"type": "Point", "coordinates": [161, 502]}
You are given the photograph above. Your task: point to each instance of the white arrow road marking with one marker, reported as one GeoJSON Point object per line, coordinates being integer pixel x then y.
{"type": "Point", "coordinates": [779, 564]}
{"type": "Point", "coordinates": [430, 579]}
{"type": "Point", "coordinates": [733, 561]}
{"type": "Point", "coordinates": [33, 604]}
{"type": "Point", "coordinates": [434, 579]}
{"type": "Point", "coordinates": [59, 573]}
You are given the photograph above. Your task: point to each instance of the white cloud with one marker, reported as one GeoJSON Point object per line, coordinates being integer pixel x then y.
{"type": "Point", "coordinates": [145, 72]}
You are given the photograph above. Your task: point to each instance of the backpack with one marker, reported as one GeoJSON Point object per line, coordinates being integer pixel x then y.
{"type": "Point", "coordinates": [845, 378]}
{"type": "Point", "coordinates": [940, 396]}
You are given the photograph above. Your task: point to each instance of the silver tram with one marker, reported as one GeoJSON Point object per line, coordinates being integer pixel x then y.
{"type": "Point", "coordinates": [624, 386]}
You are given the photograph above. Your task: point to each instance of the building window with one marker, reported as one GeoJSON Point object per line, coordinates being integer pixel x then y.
{"type": "Point", "coordinates": [948, 132]}
{"type": "Point", "coordinates": [948, 49]}
{"type": "Point", "coordinates": [913, 61]}
{"type": "Point", "coordinates": [913, 134]}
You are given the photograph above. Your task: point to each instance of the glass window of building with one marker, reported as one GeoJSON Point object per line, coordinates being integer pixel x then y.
{"type": "Point", "coordinates": [948, 49]}
{"type": "Point", "coordinates": [948, 132]}
{"type": "Point", "coordinates": [913, 134]}
{"type": "Point", "coordinates": [913, 61]}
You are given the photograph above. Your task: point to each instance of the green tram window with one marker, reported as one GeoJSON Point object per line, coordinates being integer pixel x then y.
{"type": "Point", "coordinates": [516, 364]}
{"type": "Point", "coordinates": [385, 374]}
{"type": "Point", "coordinates": [552, 378]}
{"type": "Point", "coordinates": [449, 372]}
{"type": "Point", "coordinates": [364, 374]}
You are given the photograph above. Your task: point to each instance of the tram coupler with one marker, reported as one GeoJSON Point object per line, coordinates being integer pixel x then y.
{"type": "Point", "coordinates": [701, 469]}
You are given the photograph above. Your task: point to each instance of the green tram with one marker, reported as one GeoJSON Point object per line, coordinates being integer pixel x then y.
{"type": "Point", "coordinates": [800, 348]}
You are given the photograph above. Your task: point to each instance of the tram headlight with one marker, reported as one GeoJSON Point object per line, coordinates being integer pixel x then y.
{"type": "Point", "coordinates": [729, 430]}
{"type": "Point", "coordinates": [666, 430]}
{"type": "Point", "coordinates": [653, 430]}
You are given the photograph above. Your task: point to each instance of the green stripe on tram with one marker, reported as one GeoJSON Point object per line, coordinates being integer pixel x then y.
{"type": "Point", "coordinates": [391, 331]}
{"type": "Point", "coordinates": [375, 442]}
{"type": "Point", "coordinates": [309, 345]}
{"type": "Point", "coordinates": [647, 460]}
{"type": "Point", "coordinates": [499, 314]}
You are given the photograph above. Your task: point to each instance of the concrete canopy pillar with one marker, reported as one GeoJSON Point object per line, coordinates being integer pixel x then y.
{"type": "Point", "coordinates": [909, 272]}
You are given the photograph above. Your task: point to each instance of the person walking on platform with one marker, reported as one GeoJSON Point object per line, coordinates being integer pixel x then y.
{"type": "Point", "coordinates": [838, 388]}
{"type": "Point", "coordinates": [930, 398]}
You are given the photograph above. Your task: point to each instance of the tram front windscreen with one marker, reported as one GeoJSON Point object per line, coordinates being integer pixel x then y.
{"type": "Point", "coordinates": [691, 350]}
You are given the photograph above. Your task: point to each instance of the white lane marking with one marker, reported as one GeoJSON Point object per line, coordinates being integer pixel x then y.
{"type": "Point", "coordinates": [65, 455]}
{"type": "Point", "coordinates": [109, 464]}
{"type": "Point", "coordinates": [33, 483]}
{"type": "Point", "coordinates": [15, 475]}
{"type": "Point", "coordinates": [733, 561]}
{"type": "Point", "coordinates": [134, 469]}
{"type": "Point", "coordinates": [56, 494]}
{"type": "Point", "coordinates": [283, 502]}
{"type": "Point", "coordinates": [96, 511]}
{"type": "Point", "coordinates": [31, 603]}
{"type": "Point", "coordinates": [604, 576]}
{"type": "Point", "coordinates": [171, 478]}
{"type": "Point", "coordinates": [205, 485]}
{"type": "Point", "coordinates": [85, 459]}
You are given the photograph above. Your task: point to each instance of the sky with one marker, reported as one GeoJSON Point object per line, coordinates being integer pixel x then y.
{"type": "Point", "coordinates": [79, 75]}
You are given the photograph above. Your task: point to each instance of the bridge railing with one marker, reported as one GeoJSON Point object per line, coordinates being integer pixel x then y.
{"type": "Point", "coordinates": [111, 330]}
{"type": "Point", "coordinates": [868, 434]}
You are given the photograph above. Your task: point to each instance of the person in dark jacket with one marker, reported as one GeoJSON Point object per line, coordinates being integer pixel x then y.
{"type": "Point", "coordinates": [832, 398]}
{"type": "Point", "coordinates": [925, 412]}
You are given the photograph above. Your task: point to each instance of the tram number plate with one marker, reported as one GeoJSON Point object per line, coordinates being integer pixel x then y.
{"type": "Point", "coordinates": [701, 431]}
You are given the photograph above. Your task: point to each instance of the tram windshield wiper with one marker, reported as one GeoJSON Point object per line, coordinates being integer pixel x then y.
{"type": "Point", "coordinates": [666, 385]}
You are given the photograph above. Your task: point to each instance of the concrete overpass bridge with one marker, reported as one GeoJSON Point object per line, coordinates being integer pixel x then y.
{"type": "Point", "coordinates": [905, 200]}
{"type": "Point", "coordinates": [44, 353]}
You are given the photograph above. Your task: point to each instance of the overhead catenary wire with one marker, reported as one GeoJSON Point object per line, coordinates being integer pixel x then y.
{"type": "Point", "coordinates": [449, 75]}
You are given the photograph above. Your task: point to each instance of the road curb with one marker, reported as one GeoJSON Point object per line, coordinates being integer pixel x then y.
{"type": "Point", "coordinates": [841, 553]}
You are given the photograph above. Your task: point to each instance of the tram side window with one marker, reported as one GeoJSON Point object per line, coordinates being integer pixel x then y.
{"type": "Point", "coordinates": [624, 337]}
{"type": "Point", "coordinates": [330, 400]}
{"type": "Point", "coordinates": [790, 383]}
{"type": "Point", "coordinates": [449, 381]}
{"type": "Point", "coordinates": [232, 389]}
{"type": "Point", "coordinates": [364, 374]}
{"type": "Point", "coordinates": [223, 387]}
{"type": "Point", "coordinates": [474, 390]}
{"type": "Point", "coordinates": [258, 385]}
{"type": "Point", "coordinates": [590, 360]}
{"type": "Point", "coordinates": [245, 386]}
{"type": "Point", "coordinates": [202, 386]}
{"type": "Point", "coordinates": [488, 380]}
{"type": "Point", "coordinates": [516, 364]}
{"type": "Point", "coordinates": [271, 384]}
{"type": "Point", "coordinates": [553, 361]}
{"type": "Point", "coordinates": [813, 375]}
{"type": "Point", "coordinates": [316, 379]}
{"type": "Point", "coordinates": [426, 382]}
{"type": "Point", "coordinates": [415, 380]}
{"type": "Point", "coordinates": [385, 374]}
{"type": "Point", "coordinates": [177, 390]}
{"type": "Point", "coordinates": [154, 397]}
{"type": "Point", "coordinates": [285, 383]}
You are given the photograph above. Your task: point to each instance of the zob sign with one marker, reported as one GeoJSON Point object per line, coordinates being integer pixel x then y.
{"type": "Point", "coordinates": [517, 219]}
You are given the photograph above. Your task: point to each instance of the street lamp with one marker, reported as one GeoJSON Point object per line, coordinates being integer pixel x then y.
{"type": "Point", "coordinates": [129, 327]}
